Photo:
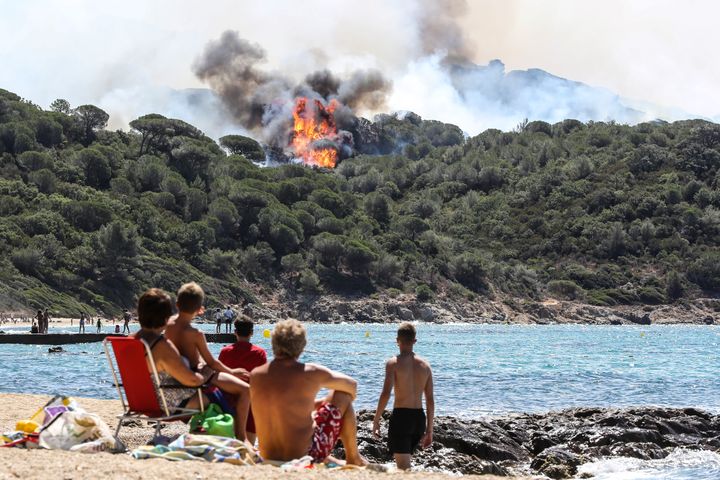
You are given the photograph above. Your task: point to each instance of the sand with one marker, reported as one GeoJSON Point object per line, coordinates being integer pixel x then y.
{"type": "Point", "coordinates": [60, 322]}
{"type": "Point", "coordinates": [18, 463]}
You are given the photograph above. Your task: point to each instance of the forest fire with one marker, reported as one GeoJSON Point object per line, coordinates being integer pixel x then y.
{"type": "Point", "coordinates": [315, 132]}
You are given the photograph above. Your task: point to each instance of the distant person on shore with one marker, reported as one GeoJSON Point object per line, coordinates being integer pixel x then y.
{"type": "Point", "coordinates": [81, 327]}
{"type": "Point", "coordinates": [218, 320]}
{"type": "Point", "coordinates": [245, 355]}
{"type": "Point", "coordinates": [99, 325]}
{"type": "Point", "coordinates": [229, 315]}
{"type": "Point", "coordinates": [192, 345]}
{"type": "Point", "coordinates": [290, 422]}
{"type": "Point", "coordinates": [411, 378]}
{"type": "Point", "coordinates": [126, 321]}
{"type": "Point", "coordinates": [154, 309]}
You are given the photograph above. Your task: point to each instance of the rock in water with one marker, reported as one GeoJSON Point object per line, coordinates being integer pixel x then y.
{"type": "Point", "coordinates": [554, 444]}
{"type": "Point", "coordinates": [557, 462]}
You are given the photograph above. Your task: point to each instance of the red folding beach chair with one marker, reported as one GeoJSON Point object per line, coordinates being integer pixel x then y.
{"type": "Point", "coordinates": [136, 386]}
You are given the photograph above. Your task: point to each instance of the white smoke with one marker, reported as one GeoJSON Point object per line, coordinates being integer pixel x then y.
{"type": "Point", "coordinates": [133, 57]}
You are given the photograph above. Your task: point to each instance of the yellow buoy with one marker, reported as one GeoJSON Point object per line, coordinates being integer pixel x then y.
{"type": "Point", "coordinates": [367, 334]}
{"type": "Point", "coordinates": [267, 333]}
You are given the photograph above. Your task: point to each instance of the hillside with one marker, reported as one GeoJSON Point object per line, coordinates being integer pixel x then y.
{"type": "Point", "coordinates": [602, 213]}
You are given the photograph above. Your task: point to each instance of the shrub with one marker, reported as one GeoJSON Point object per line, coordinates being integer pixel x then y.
{"type": "Point", "coordinates": [27, 260]}
{"type": "Point", "coordinates": [44, 179]}
{"type": "Point", "coordinates": [423, 293]}
{"type": "Point", "coordinates": [647, 158]}
{"type": "Point", "coordinates": [309, 282]}
{"type": "Point", "coordinates": [469, 270]}
{"type": "Point", "coordinates": [651, 295]}
{"type": "Point", "coordinates": [674, 288]}
{"type": "Point", "coordinates": [564, 288]}
{"type": "Point", "coordinates": [35, 160]}
{"type": "Point", "coordinates": [705, 271]}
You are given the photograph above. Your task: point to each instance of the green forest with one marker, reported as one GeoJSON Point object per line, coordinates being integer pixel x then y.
{"type": "Point", "coordinates": [597, 212]}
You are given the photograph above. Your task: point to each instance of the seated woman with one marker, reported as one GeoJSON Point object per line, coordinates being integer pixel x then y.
{"type": "Point", "coordinates": [154, 310]}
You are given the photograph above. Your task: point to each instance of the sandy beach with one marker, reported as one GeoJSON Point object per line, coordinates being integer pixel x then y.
{"type": "Point", "coordinates": [60, 322]}
{"type": "Point", "coordinates": [41, 464]}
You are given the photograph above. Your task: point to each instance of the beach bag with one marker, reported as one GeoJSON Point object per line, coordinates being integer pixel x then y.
{"type": "Point", "coordinates": [71, 429]}
{"type": "Point", "coordinates": [213, 421]}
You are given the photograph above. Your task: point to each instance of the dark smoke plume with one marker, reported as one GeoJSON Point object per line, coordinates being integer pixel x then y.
{"type": "Point", "coordinates": [262, 102]}
{"type": "Point", "coordinates": [229, 66]}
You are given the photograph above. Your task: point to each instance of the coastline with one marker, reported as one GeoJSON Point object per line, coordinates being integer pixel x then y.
{"type": "Point", "coordinates": [41, 464]}
{"type": "Point", "coordinates": [386, 309]}
{"type": "Point", "coordinates": [520, 446]}
{"type": "Point", "coordinates": [394, 309]}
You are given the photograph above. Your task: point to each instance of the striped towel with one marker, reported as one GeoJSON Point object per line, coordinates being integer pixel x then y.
{"type": "Point", "coordinates": [209, 448]}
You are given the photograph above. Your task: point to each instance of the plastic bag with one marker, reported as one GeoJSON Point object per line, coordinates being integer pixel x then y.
{"type": "Point", "coordinates": [70, 430]}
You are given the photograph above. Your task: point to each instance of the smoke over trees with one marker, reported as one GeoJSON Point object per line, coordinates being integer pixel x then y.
{"type": "Point", "coordinates": [262, 101]}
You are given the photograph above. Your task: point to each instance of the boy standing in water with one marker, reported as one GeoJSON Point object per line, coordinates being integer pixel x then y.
{"type": "Point", "coordinates": [411, 377]}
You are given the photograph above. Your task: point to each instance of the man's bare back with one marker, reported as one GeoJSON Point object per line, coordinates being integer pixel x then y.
{"type": "Point", "coordinates": [186, 338]}
{"type": "Point", "coordinates": [282, 394]}
{"type": "Point", "coordinates": [410, 376]}
{"type": "Point", "coordinates": [192, 346]}
{"type": "Point", "coordinates": [289, 421]}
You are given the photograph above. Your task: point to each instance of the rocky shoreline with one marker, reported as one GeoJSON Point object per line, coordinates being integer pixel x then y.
{"type": "Point", "coordinates": [554, 444]}
{"type": "Point", "coordinates": [386, 309]}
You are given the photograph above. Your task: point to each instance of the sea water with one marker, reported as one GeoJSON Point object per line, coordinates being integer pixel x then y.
{"type": "Point", "coordinates": [478, 370]}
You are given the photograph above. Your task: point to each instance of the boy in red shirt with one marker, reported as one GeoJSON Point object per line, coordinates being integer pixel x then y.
{"type": "Point", "coordinates": [243, 354]}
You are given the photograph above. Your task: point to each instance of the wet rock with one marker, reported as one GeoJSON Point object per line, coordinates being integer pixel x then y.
{"type": "Point", "coordinates": [481, 439]}
{"type": "Point", "coordinates": [541, 442]}
{"type": "Point", "coordinates": [631, 435]}
{"type": "Point", "coordinates": [557, 462]}
{"type": "Point", "coordinates": [552, 444]}
{"type": "Point", "coordinates": [643, 451]}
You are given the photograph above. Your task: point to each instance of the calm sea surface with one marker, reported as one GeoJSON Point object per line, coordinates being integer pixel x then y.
{"type": "Point", "coordinates": [478, 370]}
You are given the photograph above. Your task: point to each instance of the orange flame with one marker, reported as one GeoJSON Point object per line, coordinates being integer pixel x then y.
{"type": "Point", "coordinates": [313, 123]}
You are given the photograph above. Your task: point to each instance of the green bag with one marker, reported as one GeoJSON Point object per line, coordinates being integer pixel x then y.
{"type": "Point", "coordinates": [213, 422]}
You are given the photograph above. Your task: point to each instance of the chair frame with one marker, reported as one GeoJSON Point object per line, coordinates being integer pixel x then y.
{"type": "Point", "coordinates": [182, 413]}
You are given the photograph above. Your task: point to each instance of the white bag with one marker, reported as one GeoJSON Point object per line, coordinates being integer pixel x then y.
{"type": "Point", "coordinates": [77, 431]}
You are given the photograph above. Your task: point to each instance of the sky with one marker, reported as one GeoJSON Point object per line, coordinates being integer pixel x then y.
{"type": "Point", "coordinates": [125, 56]}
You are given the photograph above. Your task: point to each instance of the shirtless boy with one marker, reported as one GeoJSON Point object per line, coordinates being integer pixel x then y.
{"type": "Point", "coordinates": [411, 377]}
{"type": "Point", "coordinates": [290, 423]}
{"type": "Point", "coordinates": [192, 345]}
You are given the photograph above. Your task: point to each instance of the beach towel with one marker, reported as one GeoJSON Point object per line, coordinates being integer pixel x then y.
{"type": "Point", "coordinates": [209, 448]}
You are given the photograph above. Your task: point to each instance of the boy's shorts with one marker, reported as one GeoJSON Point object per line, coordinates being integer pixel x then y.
{"type": "Point", "coordinates": [407, 427]}
{"type": "Point", "coordinates": [328, 420]}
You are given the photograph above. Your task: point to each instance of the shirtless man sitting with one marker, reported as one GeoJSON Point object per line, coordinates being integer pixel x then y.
{"type": "Point", "coordinates": [192, 345]}
{"type": "Point", "coordinates": [411, 377]}
{"type": "Point", "coordinates": [290, 422]}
